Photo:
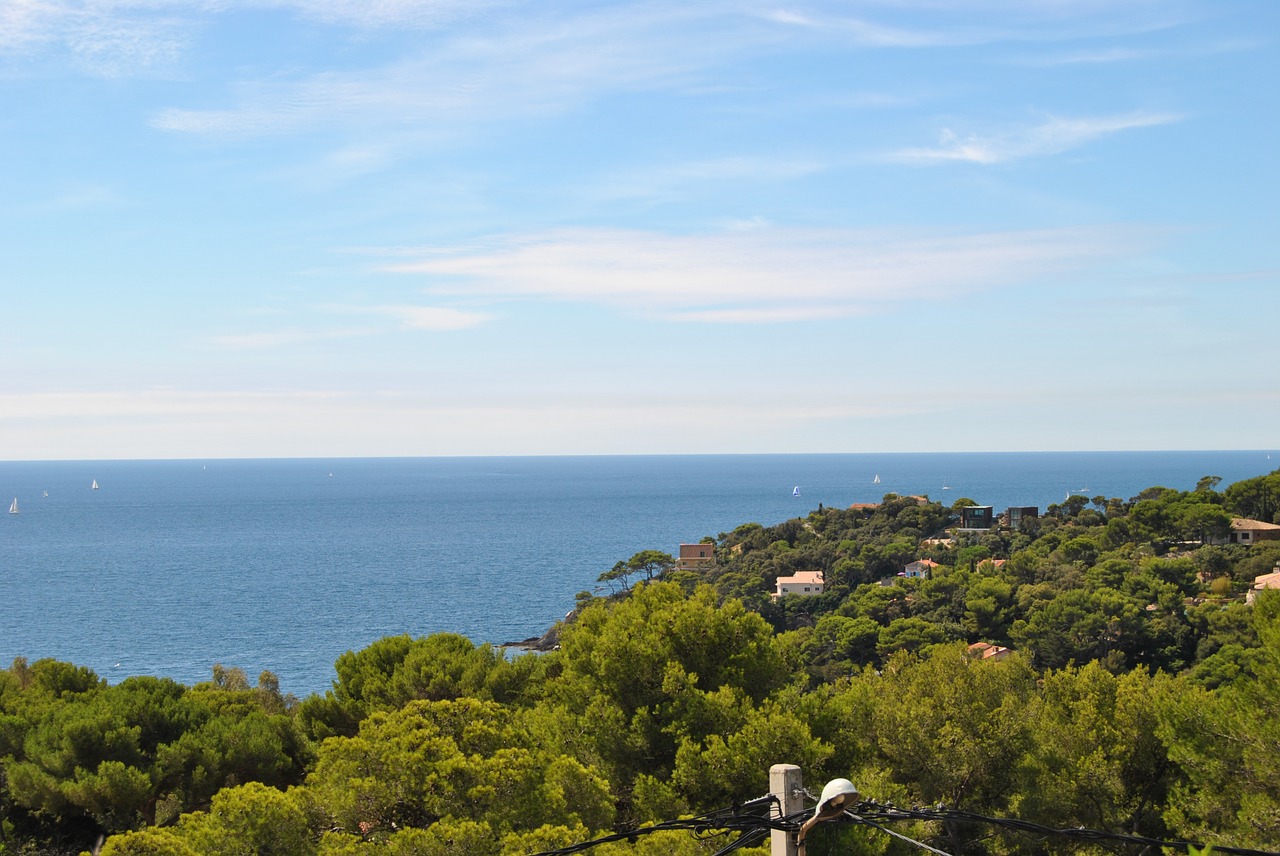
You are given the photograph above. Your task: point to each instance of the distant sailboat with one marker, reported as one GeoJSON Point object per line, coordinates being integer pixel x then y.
{"type": "Point", "coordinates": [13, 506]}
{"type": "Point", "coordinates": [876, 480]}
{"type": "Point", "coordinates": [795, 491]}
{"type": "Point", "coordinates": [94, 486]}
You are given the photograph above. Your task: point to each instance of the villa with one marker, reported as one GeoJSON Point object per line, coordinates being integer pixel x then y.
{"type": "Point", "coordinates": [803, 583]}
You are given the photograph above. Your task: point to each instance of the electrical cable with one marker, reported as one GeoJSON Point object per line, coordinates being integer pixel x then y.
{"type": "Point", "coordinates": [887, 813]}
{"type": "Point", "coordinates": [753, 826]}
{"type": "Point", "coordinates": [744, 840]}
{"type": "Point", "coordinates": [895, 834]}
{"type": "Point", "coordinates": [723, 821]}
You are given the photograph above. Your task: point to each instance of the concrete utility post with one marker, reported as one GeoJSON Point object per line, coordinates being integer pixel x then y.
{"type": "Point", "coordinates": [786, 782]}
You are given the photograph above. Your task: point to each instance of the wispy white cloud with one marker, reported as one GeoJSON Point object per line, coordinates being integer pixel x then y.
{"type": "Point", "coordinates": [95, 404]}
{"type": "Point", "coordinates": [597, 44]}
{"type": "Point", "coordinates": [23, 24]}
{"type": "Point", "coordinates": [479, 61]}
{"type": "Point", "coordinates": [1094, 57]}
{"type": "Point", "coordinates": [1130, 53]}
{"type": "Point", "coordinates": [917, 24]}
{"type": "Point", "coordinates": [120, 38]}
{"type": "Point", "coordinates": [167, 423]}
{"type": "Point", "coordinates": [532, 64]}
{"type": "Point", "coordinates": [1054, 136]}
{"type": "Point", "coordinates": [283, 338]}
{"type": "Point", "coordinates": [866, 33]}
{"type": "Point", "coordinates": [104, 39]}
{"type": "Point", "coordinates": [432, 318]}
{"type": "Point", "coordinates": [499, 65]}
{"type": "Point", "coordinates": [84, 197]}
{"type": "Point", "coordinates": [763, 274]}
{"type": "Point", "coordinates": [768, 314]}
{"type": "Point", "coordinates": [369, 14]}
{"type": "Point", "coordinates": [435, 319]}
{"type": "Point", "coordinates": [679, 179]}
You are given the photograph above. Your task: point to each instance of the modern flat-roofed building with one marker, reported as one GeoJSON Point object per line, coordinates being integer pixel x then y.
{"type": "Point", "coordinates": [977, 517]}
{"type": "Point", "coordinates": [1018, 513]}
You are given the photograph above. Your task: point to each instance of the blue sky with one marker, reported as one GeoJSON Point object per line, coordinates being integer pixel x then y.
{"type": "Point", "coordinates": [242, 228]}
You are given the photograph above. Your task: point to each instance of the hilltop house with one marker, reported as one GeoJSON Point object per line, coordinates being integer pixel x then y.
{"type": "Point", "coordinates": [696, 557]}
{"type": "Point", "coordinates": [919, 570]}
{"type": "Point", "coordinates": [987, 651]}
{"type": "Point", "coordinates": [977, 517]}
{"type": "Point", "coordinates": [803, 583]}
{"type": "Point", "coordinates": [1247, 532]}
{"type": "Point", "coordinates": [1018, 513]}
{"type": "Point", "coordinates": [1262, 583]}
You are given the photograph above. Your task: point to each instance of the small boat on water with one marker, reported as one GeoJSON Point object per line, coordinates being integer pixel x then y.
{"type": "Point", "coordinates": [94, 486]}
{"type": "Point", "coordinates": [13, 506]}
{"type": "Point", "coordinates": [876, 480]}
{"type": "Point", "coordinates": [795, 491]}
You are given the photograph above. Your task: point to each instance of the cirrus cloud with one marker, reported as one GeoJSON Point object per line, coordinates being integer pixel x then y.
{"type": "Point", "coordinates": [765, 273]}
{"type": "Point", "coordinates": [1051, 137]}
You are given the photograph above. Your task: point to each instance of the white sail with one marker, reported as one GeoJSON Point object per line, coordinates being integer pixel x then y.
{"type": "Point", "coordinates": [876, 480]}
{"type": "Point", "coordinates": [13, 507]}
{"type": "Point", "coordinates": [95, 485]}
{"type": "Point", "coordinates": [796, 491]}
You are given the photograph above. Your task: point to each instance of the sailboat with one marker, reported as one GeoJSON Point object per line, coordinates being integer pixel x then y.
{"type": "Point", "coordinates": [876, 480]}
{"type": "Point", "coordinates": [13, 506]}
{"type": "Point", "coordinates": [94, 486]}
{"type": "Point", "coordinates": [795, 491]}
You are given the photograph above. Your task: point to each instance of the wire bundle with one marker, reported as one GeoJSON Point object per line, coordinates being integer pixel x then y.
{"type": "Point", "coordinates": [753, 821]}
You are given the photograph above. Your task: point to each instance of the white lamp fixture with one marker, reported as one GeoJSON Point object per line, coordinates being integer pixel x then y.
{"type": "Point", "coordinates": [836, 798]}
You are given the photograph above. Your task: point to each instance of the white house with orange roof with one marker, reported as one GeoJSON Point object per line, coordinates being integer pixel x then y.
{"type": "Point", "coordinates": [920, 569]}
{"type": "Point", "coordinates": [803, 583]}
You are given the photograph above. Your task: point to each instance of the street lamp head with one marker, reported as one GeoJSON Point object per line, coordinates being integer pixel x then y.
{"type": "Point", "coordinates": [837, 796]}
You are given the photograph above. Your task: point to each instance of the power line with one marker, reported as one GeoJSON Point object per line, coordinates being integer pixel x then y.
{"type": "Point", "coordinates": [895, 834]}
{"type": "Point", "coordinates": [885, 813]}
{"type": "Point", "coordinates": [746, 819]}
{"type": "Point", "coordinates": [752, 825]}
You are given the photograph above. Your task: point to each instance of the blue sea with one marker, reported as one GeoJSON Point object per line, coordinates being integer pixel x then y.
{"type": "Point", "coordinates": [170, 567]}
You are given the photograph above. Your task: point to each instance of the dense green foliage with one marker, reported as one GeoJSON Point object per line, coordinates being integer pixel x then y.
{"type": "Point", "coordinates": [1138, 698]}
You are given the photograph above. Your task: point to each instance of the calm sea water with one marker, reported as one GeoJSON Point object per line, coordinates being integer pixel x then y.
{"type": "Point", "coordinates": [173, 566]}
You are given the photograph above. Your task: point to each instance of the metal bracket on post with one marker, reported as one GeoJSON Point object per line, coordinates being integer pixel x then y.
{"type": "Point", "coordinates": [786, 782]}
